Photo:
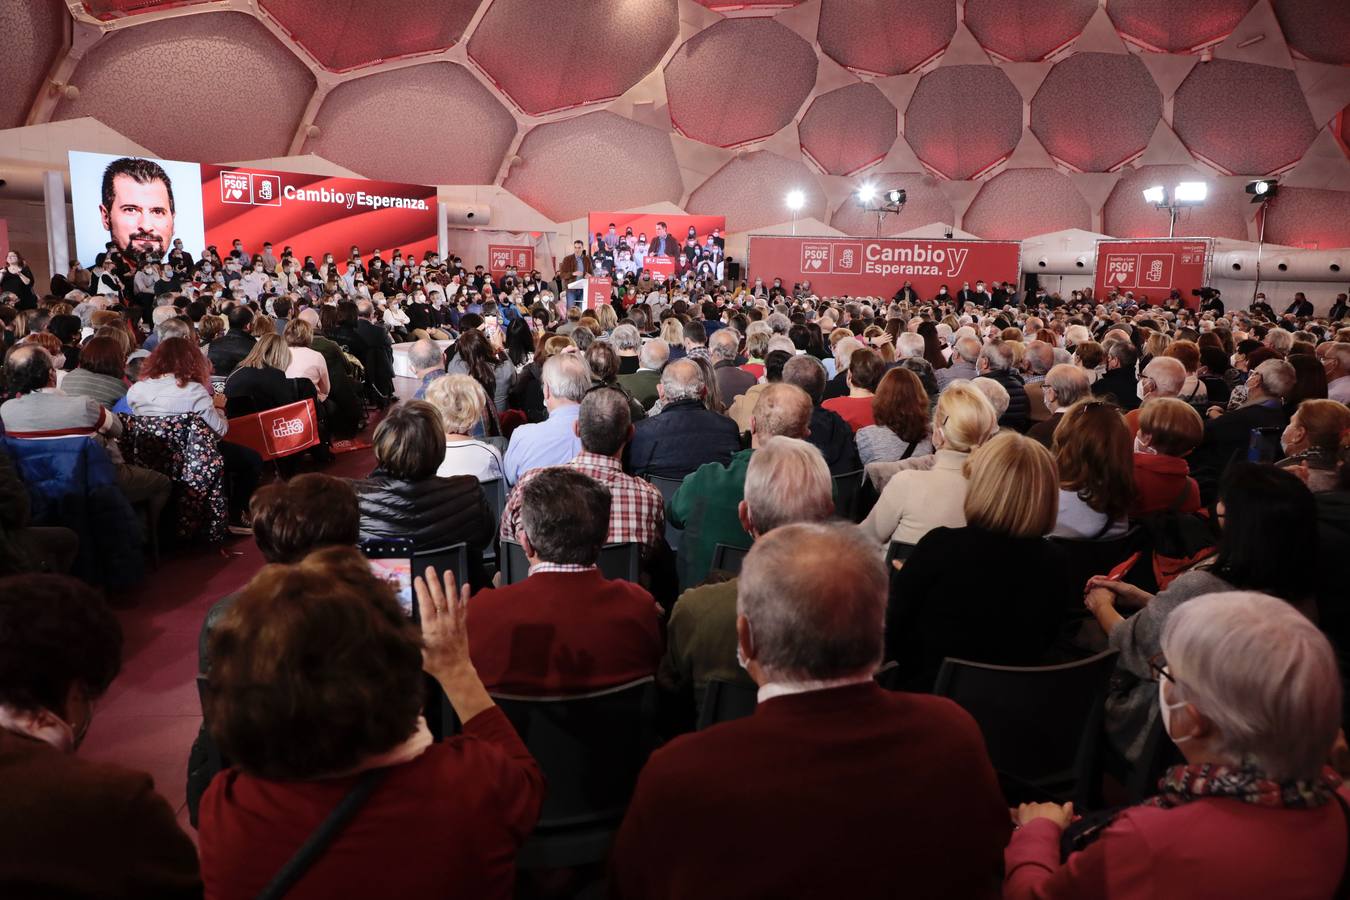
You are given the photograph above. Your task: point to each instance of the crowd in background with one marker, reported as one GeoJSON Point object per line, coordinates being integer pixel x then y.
{"type": "Point", "coordinates": [913, 479]}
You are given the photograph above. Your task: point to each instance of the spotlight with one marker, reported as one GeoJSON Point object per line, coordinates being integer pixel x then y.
{"type": "Point", "coordinates": [866, 193]}
{"type": "Point", "coordinates": [1157, 195]}
{"type": "Point", "coordinates": [1191, 192]}
{"type": "Point", "coordinates": [795, 200]}
{"type": "Point", "coordinates": [1262, 189]}
{"type": "Point", "coordinates": [896, 196]}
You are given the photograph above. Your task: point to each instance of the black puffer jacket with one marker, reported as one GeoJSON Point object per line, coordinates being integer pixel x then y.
{"type": "Point", "coordinates": [433, 513]}
{"type": "Point", "coordinates": [1018, 416]}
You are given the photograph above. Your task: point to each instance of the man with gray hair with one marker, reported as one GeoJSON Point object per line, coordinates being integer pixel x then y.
{"type": "Point", "coordinates": [903, 776]}
{"type": "Point", "coordinates": [964, 354]}
{"type": "Point", "coordinates": [554, 441]}
{"type": "Point", "coordinates": [1163, 377]}
{"type": "Point", "coordinates": [830, 434]}
{"type": "Point", "coordinates": [1064, 385]}
{"type": "Point", "coordinates": [732, 380]}
{"type": "Point", "coordinates": [428, 363]}
{"type": "Point", "coordinates": [909, 346]}
{"type": "Point", "coordinates": [642, 384]}
{"type": "Point", "coordinates": [706, 504]}
{"type": "Point", "coordinates": [686, 434]}
{"type": "Point", "coordinates": [787, 481]}
{"type": "Point", "coordinates": [1228, 435]}
{"type": "Point", "coordinates": [1040, 358]}
{"type": "Point", "coordinates": [843, 353]}
{"type": "Point", "coordinates": [996, 362]}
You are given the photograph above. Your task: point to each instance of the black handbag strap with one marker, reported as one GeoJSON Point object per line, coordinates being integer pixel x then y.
{"type": "Point", "coordinates": [1343, 889]}
{"type": "Point", "coordinates": [910, 449]}
{"type": "Point", "coordinates": [318, 841]}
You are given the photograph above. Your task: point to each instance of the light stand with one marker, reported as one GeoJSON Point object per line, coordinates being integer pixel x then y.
{"type": "Point", "coordinates": [1262, 191]}
{"type": "Point", "coordinates": [883, 204]}
{"type": "Point", "coordinates": [1187, 193]}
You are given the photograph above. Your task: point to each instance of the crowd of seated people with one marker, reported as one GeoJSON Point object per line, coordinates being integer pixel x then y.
{"type": "Point", "coordinates": [1049, 478]}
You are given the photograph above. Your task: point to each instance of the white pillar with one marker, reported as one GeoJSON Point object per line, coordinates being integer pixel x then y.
{"type": "Point", "coordinates": [442, 231]}
{"type": "Point", "coordinates": [58, 232]}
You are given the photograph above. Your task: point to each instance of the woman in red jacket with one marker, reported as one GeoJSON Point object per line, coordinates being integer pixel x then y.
{"type": "Point", "coordinates": [1169, 429]}
{"type": "Point", "coordinates": [1249, 693]}
{"type": "Point", "coordinates": [315, 684]}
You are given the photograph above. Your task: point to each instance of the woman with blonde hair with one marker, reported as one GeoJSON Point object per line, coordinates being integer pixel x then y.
{"type": "Point", "coordinates": [1008, 509]}
{"type": "Point", "coordinates": [672, 332]}
{"type": "Point", "coordinates": [915, 501]}
{"type": "Point", "coordinates": [1095, 456]}
{"type": "Point", "coordinates": [462, 403]}
{"type": "Point", "coordinates": [606, 318]}
{"type": "Point", "coordinates": [260, 382]}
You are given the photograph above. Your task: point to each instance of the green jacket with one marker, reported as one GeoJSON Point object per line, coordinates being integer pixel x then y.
{"type": "Point", "coordinates": [642, 385]}
{"type": "Point", "coordinates": [705, 506]}
{"type": "Point", "coordinates": [701, 643]}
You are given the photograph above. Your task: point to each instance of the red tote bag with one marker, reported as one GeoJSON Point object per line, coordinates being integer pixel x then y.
{"type": "Point", "coordinates": [277, 432]}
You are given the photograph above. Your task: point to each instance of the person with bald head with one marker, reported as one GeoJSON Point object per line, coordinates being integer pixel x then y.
{"type": "Point", "coordinates": [1064, 385]}
{"type": "Point", "coordinates": [685, 434]}
{"type": "Point", "coordinates": [787, 481]}
{"type": "Point", "coordinates": [833, 787]}
{"type": "Point", "coordinates": [1162, 378]}
{"type": "Point", "coordinates": [707, 505]}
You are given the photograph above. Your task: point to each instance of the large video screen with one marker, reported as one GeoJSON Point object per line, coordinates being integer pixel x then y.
{"type": "Point", "coordinates": [666, 245]}
{"type": "Point", "coordinates": [145, 204]}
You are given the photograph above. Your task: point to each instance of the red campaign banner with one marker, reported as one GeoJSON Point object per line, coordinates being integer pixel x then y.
{"type": "Point", "coordinates": [598, 291]}
{"type": "Point", "coordinates": [661, 267]}
{"type": "Point", "coordinates": [677, 226]}
{"type": "Point", "coordinates": [504, 256]}
{"type": "Point", "coordinates": [867, 267]}
{"type": "Point", "coordinates": [277, 432]}
{"type": "Point", "coordinates": [316, 214]}
{"type": "Point", "coordinates": [1152, 269]}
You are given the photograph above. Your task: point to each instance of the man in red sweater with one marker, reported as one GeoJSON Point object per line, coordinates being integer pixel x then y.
{"type": "Point", "coordinates": [834, 787]}
{"type": "Point", "coordinates": [566, 629]}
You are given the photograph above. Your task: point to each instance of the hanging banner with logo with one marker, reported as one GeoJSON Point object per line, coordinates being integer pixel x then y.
{"type": "Point", "coordinates": [1152, 269]}
{"type": "Point", "coordinates": [508, 256]}
{"type": "Point", "coordinates": [144, 205]}
{"type": "Point", "coordinates": [598, 291]}
{"type": "Point", "coordinates": [866, 267]}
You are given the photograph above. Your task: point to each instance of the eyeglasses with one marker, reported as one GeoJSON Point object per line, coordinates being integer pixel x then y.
{"type": "Point", "coordinates": [1158, 670]}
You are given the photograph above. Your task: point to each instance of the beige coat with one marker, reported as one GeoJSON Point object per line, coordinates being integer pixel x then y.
{"type": "Point", "coordinates": [915, 501]}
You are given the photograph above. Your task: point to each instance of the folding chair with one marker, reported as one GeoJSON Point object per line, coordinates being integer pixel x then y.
{"type": "Point", "coordinates": [728, 559]}
{"type": "Point", "coordinates": [668, 487]}
{"type": "Point", "coordinates": [724, 701]}
{"type": "Point", "coordinates": [616, 561]}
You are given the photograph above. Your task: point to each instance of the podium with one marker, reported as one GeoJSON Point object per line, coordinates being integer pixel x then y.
{"type": "Point", "coordinates": [598, 291]}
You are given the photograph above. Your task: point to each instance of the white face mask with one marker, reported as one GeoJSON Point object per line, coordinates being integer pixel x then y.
{"type": "Point", "coordinates": [1140, 390]}
{"type": "Point", "coordinates": [1140, 447]}
{"type": "Point", "coordinates": [1165, 709]}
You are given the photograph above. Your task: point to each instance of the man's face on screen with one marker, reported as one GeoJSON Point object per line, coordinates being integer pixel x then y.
{"type": "Point", "coordinates": [140, 218]}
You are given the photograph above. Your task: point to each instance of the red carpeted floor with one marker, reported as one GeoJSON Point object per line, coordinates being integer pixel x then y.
{"type": "Point", "coordinates": [150, 715]}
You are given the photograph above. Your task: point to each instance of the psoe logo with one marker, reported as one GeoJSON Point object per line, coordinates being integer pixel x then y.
{"type": "Point", "coordinates": [284, 427]}
{"type": "Point", "coordinates": [267, 190]}
{"type": "Point", "coordinates": [236, 187]}
{"type": "Point", "coordinates": [1121, 268]}
{"type": "Point", "coordinates": [847, 259]}
{"type": "Point", "coordinates": [815, 257]}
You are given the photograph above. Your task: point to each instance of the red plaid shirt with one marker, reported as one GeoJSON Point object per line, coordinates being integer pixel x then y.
{"type": "Point", "coordinates": [637, 511]}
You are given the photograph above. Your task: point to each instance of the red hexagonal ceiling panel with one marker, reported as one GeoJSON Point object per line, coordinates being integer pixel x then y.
{"type": "Point", "coordinates": [1319, 29]}
{"type": "Point", "coordinates": [33, 30]}
{"type": "Point", "coordinates": [455, 131]}
{"type": "Point", "coordinates": [108, 10]}
{"type": "Point", "coordinates": [925, 204]}
{"type": "Point", "coordinates": [738, 81]}
{"type": "Point", "coordinates": [223, 87]}
{"type": "Point", "coordinates": [964, 119]}
{"type": "Point", "coordinates": [1027, 30]}
{"type": "Point", "coordinates": [751, 191]}
{"type": "Point", "coordinates": [1242, 117]}
{"type": "Point", "coordinates": [344, 34]}
{"type": "Point", "coordinates": [552, 56]}
{"type": "Point", "coordinates": [1167, 25]}
{"type": "Point", "coordinates": [849, 128]}
{"type": "Point", "coordinates": [1127, 215]}
{"type": "Point", "coordinates": [885, 37]}
{"type": "Point", "coordinates": [1306, 217]}
{"type": "Point", "coordinates": [1021, 203]}
{"type": "Point", "coordinates": [594, 162]}
{"type": "Point", "coordinates": [1096, 110]}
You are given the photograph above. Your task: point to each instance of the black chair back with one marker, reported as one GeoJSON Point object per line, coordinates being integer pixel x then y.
{"type": "Point", "coordinates": [495, 489]}
{"type": "Point", "coordinates": [1097, 557]}
{"type": "Point", "coordinates": [724, 701]}
{"type": "Point", "coordinates": [668, 487]}
{"type": "Point", "coordinates": [616, 561]}
{"type": "Point", "coordinates": [728, 559]}
{"type": "Point", "coordinates": [847, 487]}
{"type": "Point", "coordinates": [1041, 724]}
{"type": "Point", "coordinates": [454, 558]}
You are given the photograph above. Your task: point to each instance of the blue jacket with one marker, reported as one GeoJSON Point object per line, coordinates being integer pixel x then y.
{"type": "Point", "coordinates": [684, 436]}
{"type": "Point", "coordinates": [72, 483]}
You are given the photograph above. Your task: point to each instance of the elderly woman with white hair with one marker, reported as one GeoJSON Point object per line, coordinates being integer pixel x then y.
{"type": "Point", "coordinates": [1251, 696]}
{"type": "Point", "coordinates": [462, 403]}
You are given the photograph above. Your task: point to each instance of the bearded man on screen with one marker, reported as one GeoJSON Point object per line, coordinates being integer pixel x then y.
{"type": "Point", "coordinates": [138, 209]}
